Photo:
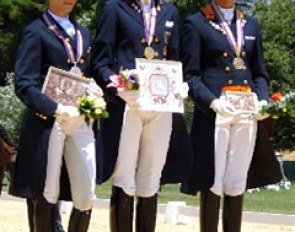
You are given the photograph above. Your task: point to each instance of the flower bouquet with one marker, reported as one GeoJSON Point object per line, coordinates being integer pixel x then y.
{"type": "Point", "coordinates": [92, 107]}
{"type": "Point", "coordinates": [126, 80]}
{"type": "Point", "coordinates": [278, 104]}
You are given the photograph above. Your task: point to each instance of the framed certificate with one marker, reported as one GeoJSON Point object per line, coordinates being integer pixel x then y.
{"type": "Point", "coordinates": [64, 87]}
{"type": "Point", "coordinates": [243, 102]}
{"type": "Point", "coordinates": [158, 83]}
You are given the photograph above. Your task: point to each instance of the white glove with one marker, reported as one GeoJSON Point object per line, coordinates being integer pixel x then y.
{"type": "Point", "coordinates": [129, 96]}
{"type": "Point", "coordinates": [261, 116]}
{"type": "Point", "coordinates": [64, 113]}
{"type": "Point", "coordinates": [181, 92]}
{"type": "Point", "coordinates": [222, 107]}
{"type": "Point", "coordinates": [94, 89]}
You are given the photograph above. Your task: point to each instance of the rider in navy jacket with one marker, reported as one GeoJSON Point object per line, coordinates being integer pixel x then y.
{"type": "Point", "coordinates": [120, 39]}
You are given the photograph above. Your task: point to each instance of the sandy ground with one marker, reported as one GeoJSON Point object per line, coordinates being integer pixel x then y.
{"type": "Point", "coordinates": [13, 219]}
{"type": "Point", "coordinates": [288, 155]}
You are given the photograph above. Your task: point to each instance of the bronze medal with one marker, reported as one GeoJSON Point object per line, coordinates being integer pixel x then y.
{"type": "Point", "coordinates": [238, 63]}
{"type": "Point", "coordinates": [149, 53]}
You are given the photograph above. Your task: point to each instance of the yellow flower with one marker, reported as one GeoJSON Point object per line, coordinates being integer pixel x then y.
{"type": "Point", "coordinates": [275, 116]}
{"type": "Point", "coordinates": [98, 111]}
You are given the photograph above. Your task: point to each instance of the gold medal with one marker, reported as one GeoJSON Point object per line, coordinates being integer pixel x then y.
{"type": "Point", "coordinates": [149, 53]}
{"type": "Point", "coordinates": [238, 63]}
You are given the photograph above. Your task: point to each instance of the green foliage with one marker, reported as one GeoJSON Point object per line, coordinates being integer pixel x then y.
{"type": "Point", "coordinates": [278, 31]}
{"type": "Point", "coordinates": [188, 112]}
{"type": "Point", "coordinates": [12, 109]}
{"type": "Point", "coordinates": [188, 7]}
{"type": "Point", "coordinates": [86, 12]}
{"type": "Point", "coordinates": [16, 14]}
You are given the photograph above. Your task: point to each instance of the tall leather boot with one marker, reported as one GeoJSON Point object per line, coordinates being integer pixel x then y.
{"type": "Point", "coordinates": [57, 218]}
{"type": "Point", "coordinates": [209, 211]}
{"type": "Point", "coordinates": [79, 220]}
{"type": "Point", "coordinates": [43, 215]}
{"type": "Point", "coordinates": [146, 214]}
{"type": "Point", "coordinates": [121, 212]}
{"type": "Point", "coordinates": [232, 213]}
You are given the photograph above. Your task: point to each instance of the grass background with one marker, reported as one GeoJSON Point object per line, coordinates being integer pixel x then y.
{"type": "Point", "coordinates": [270, 201]}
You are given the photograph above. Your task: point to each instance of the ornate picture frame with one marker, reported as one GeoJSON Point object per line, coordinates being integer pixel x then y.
{"type": "Point", "coordinates": [64, 87]}
{"type": "Point", "coordinates": [158, 83]}
{"type": "Point", "coordinates": [243, 102]}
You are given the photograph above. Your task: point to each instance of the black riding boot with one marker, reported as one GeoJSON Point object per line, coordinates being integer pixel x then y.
{"type": "Point", "coordinates": [232, 213]}
{"type": "Point", "coordinates": [209, 211]}
{"type": "Point", "coordinates": [79, 220]}
{"type": "Point", "coordinates": [146, 214]}
{"type": "Point", "coordinates": [43, 215]}
{"type": "Point", "coordinates": [121, 213]}
{"type": "Point", "coordinates": [57, 218]}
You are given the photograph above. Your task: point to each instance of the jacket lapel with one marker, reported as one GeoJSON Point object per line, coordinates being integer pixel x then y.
{"type": "Point", "coordinates": [162, 12]}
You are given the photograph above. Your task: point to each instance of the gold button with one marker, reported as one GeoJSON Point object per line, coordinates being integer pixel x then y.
{"type": "Point", "coordinates": [156, 54]}
{"type": "Point", "coordinates": [245, 82]}
{"type": "Point", "coordinates": [243, 53]}
{"type": "Point", "coordinates": [225, 54]}
{"type": "Point", "coordinates": [230, 82]}
{"type": "Point", "coordinates": [157, 40]}
{"type": "Point", "coordinates": [82, 61]}
{"type": "Point", "coordinates": [67, 40]}
{"type": "Point", "coordinates": [227, 68]}
{"type": "Point", "coordinates": [142, 40]}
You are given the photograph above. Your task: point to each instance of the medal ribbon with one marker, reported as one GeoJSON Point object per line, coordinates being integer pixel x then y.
{"type": "Point", "coordinates": [68, 48]}
{"type": "Point", "coordinates": [150, 27]}
{"type": "Point", "coordinates": [236, 44]}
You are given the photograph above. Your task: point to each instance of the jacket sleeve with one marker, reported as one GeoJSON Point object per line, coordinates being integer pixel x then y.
{"type": "Point", "coordinates": [103, 51]}
{"type": "Point", "coordinates": [28, 75]}
{"type": "Point", "coordinates": [191, 53]}
{"type": "Point", "coordinates": [258, 68]}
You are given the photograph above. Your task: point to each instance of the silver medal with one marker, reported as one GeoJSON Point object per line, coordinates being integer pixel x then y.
{"type": "Point", "coordinates": [238, 63]}
{"type": "Point", "coordinates": [76, 70]}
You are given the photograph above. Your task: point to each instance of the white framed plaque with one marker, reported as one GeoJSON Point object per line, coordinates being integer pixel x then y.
{"type": "Point", "coordinates": [243, 102]}
{"type": "Point", "coordinates": [158, 83]}
{"type": "Point", "coordinates": [64, 87]}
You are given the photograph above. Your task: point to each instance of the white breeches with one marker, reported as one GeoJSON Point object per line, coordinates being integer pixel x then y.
{"type": "Point", "coordinates": [143, 150]}
{"type": "Point", "coordinates": [234, 147]}
{"type": "Point", "coordinates": [74, 141]}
